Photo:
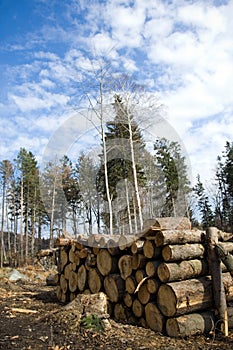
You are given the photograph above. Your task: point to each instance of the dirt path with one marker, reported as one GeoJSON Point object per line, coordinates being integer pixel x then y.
{"type": "Point", "coordinates": [31, 318]}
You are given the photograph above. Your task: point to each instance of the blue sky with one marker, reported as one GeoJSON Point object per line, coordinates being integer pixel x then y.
{"type": "Point", "coordinates": [182, 51]}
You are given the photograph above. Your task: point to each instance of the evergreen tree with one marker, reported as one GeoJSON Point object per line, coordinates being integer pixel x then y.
{"type": "Point", "coordinates": [27, 179]}
{"type": "Point", "coordinates": [72, 192]}
{"type": "Point", "coordinates": [224, 178]}
{"type": "Point", "coordinates": [207, 216]}
{"type": "Point", "coordinates": [175, 182]}
{"type": "Point", "coordinates": [125, 175]}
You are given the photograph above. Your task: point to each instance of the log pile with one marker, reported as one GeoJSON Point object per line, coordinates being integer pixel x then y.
{"type": "Point", "coordinates": [159, 280]}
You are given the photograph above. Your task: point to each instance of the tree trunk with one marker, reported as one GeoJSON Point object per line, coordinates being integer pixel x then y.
{"type": "Point", "coordinates": [137, 246]}
{"type": "Point", "coordinates": [64, 258]}
{"type": "Point", "coordinates": [178, 237]}
{"type": "Point", "coordinates": [139, 275]}
{"type": "Point", "coordinates": [150, 251]}
{"type": "Point", "coordinates": [128, 300]}
{"type": "Point", "coordinates": [73, 281]}
{"type": "Point", "coordinates": [183, 252]}
{"type": "Point", "coordinates": [95, 281]}
{"type": "Point", "coordinates": [125, 266]}
{"type": "Point", "coordinates": [138, 261]}
{"type": "Point", "coordinates": [120, 313]}
{"type": "Point", "coordinates": [67, 270]}
{"type": "Point", "coordinates": [138, 308]}
{"type": "Point", "coordinates": [130, 284]}
{"type": "Point", "coordinates": [106, 263]}
{"type": "Point", "coordinates": [178, 298]}
{"type": "Point", "coordinates": [168, 272]}
{"type": "Point", "coordinates": [114, 287]}
{"type": "Point", "coordinates": [152, 285]}
{"type": "Point", "coordinates": [82, 278]}
{"type": "Point", "coordinates": [152, 267]}
{"type": "Point", "coordinates": [63, 284]}
{"type": "Point", "coordinates": [154, 319]}
{"type": "Point", "coordinates": [191, 324]}
{"type": "Point", "coordinates": [144, 295]}
{"type": "Point", "coordinates": [216, 274]}
{"type": "Point", "coordinates": [167, 223]}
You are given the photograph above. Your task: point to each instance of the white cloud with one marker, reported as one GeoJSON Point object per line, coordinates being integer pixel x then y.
{"type": "Point", "coordinates": [183, 48]}
{"type": "Point", "coordinates": [32, 103]}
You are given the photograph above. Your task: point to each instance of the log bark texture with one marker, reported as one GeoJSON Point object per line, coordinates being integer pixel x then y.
{"type": "Point", "coordinates": [183, 252]}
{"type": "Point", "coordinates": [216, 274]}
{"type": "Point", "coordinates": [178, 237]}
{"type": "Point", "coordinates": [191, 324]}
{"type": "Point", "coordinates": [168, 272]}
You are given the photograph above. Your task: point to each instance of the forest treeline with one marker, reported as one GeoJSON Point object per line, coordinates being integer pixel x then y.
{"type": "Point", "coordinates": [114, 192]}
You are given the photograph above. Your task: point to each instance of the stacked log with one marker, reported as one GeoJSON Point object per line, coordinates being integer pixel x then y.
{"type": "Point", "coordinates": [159, 280]}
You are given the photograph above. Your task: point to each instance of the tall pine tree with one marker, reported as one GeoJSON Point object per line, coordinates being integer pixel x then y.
{"type": "Point", "coordinates": [125, 174]}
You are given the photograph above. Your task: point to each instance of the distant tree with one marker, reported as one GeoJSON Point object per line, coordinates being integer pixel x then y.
{"type": "Point", "coordinates": [6, 171]}
{"type": "Point", "coordinates": [124, 146]}
{"type": "Point", "coordinates": [53, 196]}
{"type": "Point", "coordinates": [204, 207]}
{"type": "Point", "coordinates": [27, 179]}
{"type": "Point", "coordinates": [96, 96]}
{"type": "Point", "coordinates": [176, 183]}
{"type": "Point", "coordinates": [71, 190]}
{"type": "Point", "coordinates": [90, 202]}
{"type": "Point", "coordinates": [224, 179]}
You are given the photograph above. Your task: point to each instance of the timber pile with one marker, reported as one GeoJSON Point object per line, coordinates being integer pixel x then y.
{"type": "Point", "coordinates": [159, 280]}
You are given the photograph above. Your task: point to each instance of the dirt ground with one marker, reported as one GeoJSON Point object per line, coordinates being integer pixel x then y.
{"type": "Point", "coordinates": [32, 318]}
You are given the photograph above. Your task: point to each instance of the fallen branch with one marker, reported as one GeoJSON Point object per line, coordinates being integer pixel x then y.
{"type": "Point", "coordinates": [23, 311]}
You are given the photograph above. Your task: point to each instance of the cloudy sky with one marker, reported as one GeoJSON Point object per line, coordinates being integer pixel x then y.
{"type": "Point", "coordinates": [181, 50]}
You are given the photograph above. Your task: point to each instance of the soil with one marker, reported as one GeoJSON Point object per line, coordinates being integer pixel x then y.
{"type": "Point", "coordinates": [32, 318]}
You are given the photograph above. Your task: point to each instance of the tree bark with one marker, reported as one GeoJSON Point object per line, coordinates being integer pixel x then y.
{"type": "Point", "coordinates": [167, 223]}
{"type": "Point", "coordinates": [216, 274]}
{"type": "Point", "coordinates": [191, 324]}
{"type": "Point", "coordinates": [178, 298]}
{"type": "Point", "coordinates": [178, 237]}
{"type": "Point", "coordinates": [183, 252]}
{"type": "Point", "coordinates": [169, 272]}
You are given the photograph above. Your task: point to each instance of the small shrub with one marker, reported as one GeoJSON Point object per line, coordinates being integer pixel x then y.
{"type": "Point", "coordinates": [92, 322]}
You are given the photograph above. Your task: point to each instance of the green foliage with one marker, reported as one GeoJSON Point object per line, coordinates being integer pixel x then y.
{"type": "Point", "coordinates": [204, 206]}
{"type": "Point", "coordinates": [169, 158]}
{"type": "Point", "coordinates": [224, 197]}
{"type": "Point", "coordinates": [92, 322]}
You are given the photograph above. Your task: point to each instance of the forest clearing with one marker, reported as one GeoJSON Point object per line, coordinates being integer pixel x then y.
{"type": "Point", "coordinates": [36, 315]}
{"type": "Point", "coordinates": [51, 327]}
